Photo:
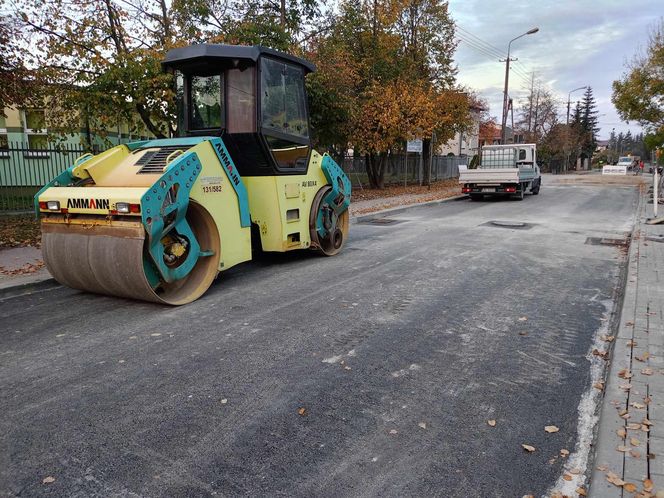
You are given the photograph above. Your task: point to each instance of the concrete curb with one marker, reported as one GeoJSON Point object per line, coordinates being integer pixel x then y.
{"type": "Point", "coordinates": [399, 209]}
{"type": "Point", "coordinates": [609, 422]}
{"type": "Point", "coordinates": [28, 287]}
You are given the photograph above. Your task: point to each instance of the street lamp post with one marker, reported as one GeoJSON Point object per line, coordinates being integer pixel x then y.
{"type": "Point", "coordinates": [507, 78]}
{"type": "Point", "coordinates": [569, 96]}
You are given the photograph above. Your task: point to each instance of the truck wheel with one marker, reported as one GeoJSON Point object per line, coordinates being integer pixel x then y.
{"type": "Point", "coordinates": [535, 190]}
{"type": "Point", "coordinates": [476, 197]}
{"type": "Point", "coordinates": [519, 195]}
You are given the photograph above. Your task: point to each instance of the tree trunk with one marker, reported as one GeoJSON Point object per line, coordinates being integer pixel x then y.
{"type": "Point", "coordinates": [375, 167]}
{"type": "Point", "coordinates": [426, 160]}
{"type": "Point", "coordinates": [145, 117]}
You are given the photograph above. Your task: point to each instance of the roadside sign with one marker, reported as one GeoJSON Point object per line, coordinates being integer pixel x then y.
{"type": "Point", "coordinates": [414, 145]}
{"type": "Point", "coordinates": [614, 170]}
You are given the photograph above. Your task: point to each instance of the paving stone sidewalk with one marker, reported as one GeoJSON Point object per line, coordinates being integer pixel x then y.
{"type": "Point", "coordinates": [629, 458]}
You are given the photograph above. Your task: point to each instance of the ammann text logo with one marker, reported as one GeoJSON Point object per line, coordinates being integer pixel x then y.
{"type": "Point", "coordinates": [88, 204]}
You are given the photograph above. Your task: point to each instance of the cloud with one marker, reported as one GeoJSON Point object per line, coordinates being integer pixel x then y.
{"type": "Point", "coordinates": [579, 43]}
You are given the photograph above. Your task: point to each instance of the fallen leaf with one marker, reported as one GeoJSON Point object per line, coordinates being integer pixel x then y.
{"type": "Point", "coordinates": [567, 477]}
{"type": "Point", "coordinates": [625, 374]}
{"type": "Point", "coordinates": [633, 426]}
{"type": "Point", "coordinates": [523, 333]}
{"type": "Point", "coordinates": [629, 487]}
{"type": "Point", "coordinates": [647, 485]}
{"type": "Point", "coordinates": [564, 452]}
{"type": "Point", "coordinates": [638, 406]}
{"type": "Point", "coordinates": [523, 319]}
{"type": "Point", "coordinates": [623, 412]}
{"type": "Point", "coordinates": [643, 357]}
{"type": "Point", "coordinates": [581, 491]}
{"type": "Point", "coordinates": [634, 442]}
{"type": "Point", "coordinates": [614, 479]}
{"type": "Point", "coordinates": [394, 431]}
{"type": "Point", "coordinates": [492, 423]}
{"type": "Point", "coordinates": [602, 468]}
{"type": "Point", "coordinates": [528, 496]}
{"type": "Point", "coordinates": [647, 400]}
{"type": "Point", "coordinates": [422, 425]}
{"type": "Point", "coordinates": [645, 421]}
{"type": "Point", "coordinates": [607, 338]}
{"type": "Point", "coordinates": [224, 401]}
{"type": "Point", "coordinates": [302, 411]}
{"type": "Point", "coordinates": [599, 385]}
{"type": "Point", "coordinates": [551, 428]}
{"type": "Point", "coordinates": [575, 471]}
{"type": "Point", "coordinates": [629, 324]}
{"type": "Point", "coordinates": [634, 454]}
{"type": "Point", "coordinates": [647, 371]}
{"type": "Point", "coordinates": [48, 480]}
{"type": "Point", "coordinates": [622, 433]}
{"type": "Point", "coordinates": [624, 449]}
{"type": "Point", "coordinates": [625, 387]}
{"type": "Point", "coordinates": [645, 428]}
{"type": "Point", "coordinates": [528, 448]}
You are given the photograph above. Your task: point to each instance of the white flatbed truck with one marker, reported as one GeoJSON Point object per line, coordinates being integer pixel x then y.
{"type": "Point", "coordinates": [503, 170]}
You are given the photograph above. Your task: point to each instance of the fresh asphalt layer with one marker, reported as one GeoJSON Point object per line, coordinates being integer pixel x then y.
{"type": "Point", "coordinates": [371, 373]}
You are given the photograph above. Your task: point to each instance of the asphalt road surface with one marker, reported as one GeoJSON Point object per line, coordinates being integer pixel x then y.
{"type": "Point", "coordinates": [372, 373]}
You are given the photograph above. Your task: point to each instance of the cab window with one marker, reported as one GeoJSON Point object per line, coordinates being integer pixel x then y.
{"type": "Point", "coordinates": [206, 101]}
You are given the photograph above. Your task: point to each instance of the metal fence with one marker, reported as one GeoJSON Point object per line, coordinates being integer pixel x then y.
{"type": "Point", "coordinates": [24, 170]}
{"type": "Point", "coordinates": [404, 169]}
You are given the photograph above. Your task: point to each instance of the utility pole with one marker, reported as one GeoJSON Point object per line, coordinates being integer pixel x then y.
{"type": "Point", "coordinates": [507, 79]}
{"type": "Point", "coordinates": [530, 98]}
{"type": "Point", "coordinates": [569, 95]}
{"type": "Point", "coordinates": [536, 114]}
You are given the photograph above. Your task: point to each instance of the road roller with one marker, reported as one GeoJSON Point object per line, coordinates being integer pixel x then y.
{"type": "Point", "coordinates": [157, 220]}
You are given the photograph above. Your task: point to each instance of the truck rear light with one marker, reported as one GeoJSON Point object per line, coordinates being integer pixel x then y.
{"type": "Point", "coordinates": [135, 208]}
{"type": "Point", "coordinates": [465, 190]}
{"type": "Point", "coordinates": [53, 205]}
{"type": "Point", "coordinates": [510, 189]}
{"type": "Point", "coordinates": [122, 207]}
{"type": "Point", "coordinates": [43, 205]}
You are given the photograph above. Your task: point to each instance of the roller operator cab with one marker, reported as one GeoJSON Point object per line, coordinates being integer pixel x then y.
{"type": "Point", "coordinates": [156, 220]}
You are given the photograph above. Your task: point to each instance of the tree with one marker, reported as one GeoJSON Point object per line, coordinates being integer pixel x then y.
{"type": "Point", "coordinates": [638, 94]}
{"type": "Point", "coordinates": [391, 64]}
{"type": "Point", "coordinates": [101, 58]}
{"type": "Point", "coordinates": [16, 89]}
{"type": "Point", "coordinates": [588, 120]}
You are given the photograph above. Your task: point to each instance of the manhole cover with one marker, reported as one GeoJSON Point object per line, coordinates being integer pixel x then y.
{"type": "Point", "coordinates": [381, 221]}
{"type": "Point", "coordinates": [515, 225]}
{"type": "Point", "coordinates": [603, 241]}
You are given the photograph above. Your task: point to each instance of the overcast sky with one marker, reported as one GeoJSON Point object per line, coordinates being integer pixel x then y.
{"type": "Point", "coordinates": [580, 42]}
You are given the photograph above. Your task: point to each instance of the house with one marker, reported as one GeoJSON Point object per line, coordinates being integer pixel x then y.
{"type": "Point", "coordinates": [464, 144]}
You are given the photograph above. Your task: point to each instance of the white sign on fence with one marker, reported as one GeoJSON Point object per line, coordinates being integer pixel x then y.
{"type": "Point", "coordinates": [414, 145]}
{"type": "Point", "coordinates": [614, 170]}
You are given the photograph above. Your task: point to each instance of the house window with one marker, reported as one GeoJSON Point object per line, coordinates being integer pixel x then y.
{"type": "Point", "coordinates": [4, 141]}
{"type": "Point", "coordinates": [35, 132]}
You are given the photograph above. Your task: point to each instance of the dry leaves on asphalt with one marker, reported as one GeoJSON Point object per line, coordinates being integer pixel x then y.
{"type": "Point", "coordinates": [622, 433]}
{"type": "Point", "coordinates": [302, 411]}
{"type": "Point", "coordinates": [523, 319]}
{"type": "Point", "coordinates": [647, 371]}
{"type": "Point", "coordinates": [491, 422]}
{"type": "Point", "coordinates": [581, 491]}
{"type": "Point", "coordinates": [19, 231]}
{"type": "Point", "coordinates": [422, 425]}
{"type": "Point", "coordinates": [567, 477]}
{"type": "Point", "coordinates": [48, 480]}
{"type": "Point", "coordinates": [607, 338]}
{"type": "Point", "coordinates": [551, 429]}
{"type": "Point", "coordinates": [599, 385]}
{"type": "Point", "coordinates": [528, 448]}
{"type": "Point", "coordinates": [643, 357]}
{"type": "Point", "coordinates": [26, 269]}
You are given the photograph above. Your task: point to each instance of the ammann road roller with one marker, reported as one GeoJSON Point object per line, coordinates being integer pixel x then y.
{"type": "Point", "coordinates": [157, 220]}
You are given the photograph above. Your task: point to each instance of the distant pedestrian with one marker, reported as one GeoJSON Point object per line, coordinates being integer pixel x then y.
{"type": "Point", "coordinates": [642, 165]}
